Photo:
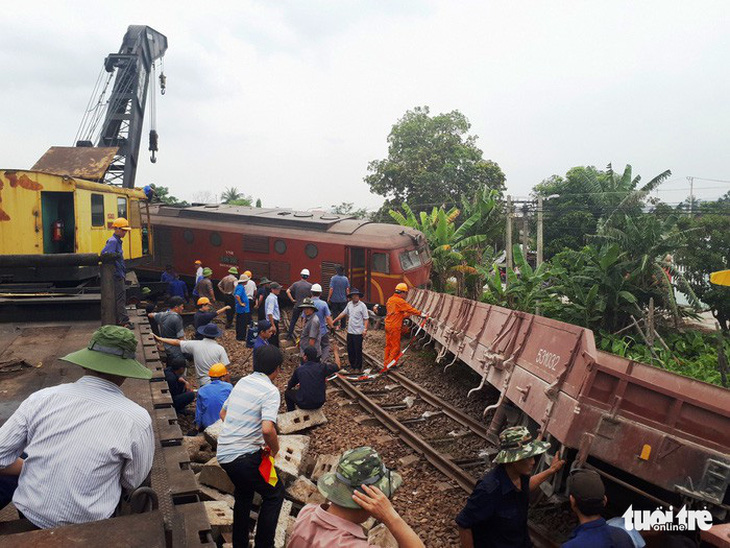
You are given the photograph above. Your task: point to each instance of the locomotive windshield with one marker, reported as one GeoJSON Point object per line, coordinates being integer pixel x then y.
{"type": "Point", "coordinates": [410, 259]}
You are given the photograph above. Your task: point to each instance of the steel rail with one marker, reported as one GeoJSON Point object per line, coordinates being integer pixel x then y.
{"type": "Point", "coordinates": [449, 410]}
{"type": "Point", "coordinates": [443, 464]}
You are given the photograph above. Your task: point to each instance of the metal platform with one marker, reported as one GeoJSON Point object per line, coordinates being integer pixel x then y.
{"type": "Point", "coordinates": [29, 361]}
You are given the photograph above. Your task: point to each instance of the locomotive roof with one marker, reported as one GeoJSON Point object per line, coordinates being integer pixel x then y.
{"type": "Point", "coordinates": [367, 232]}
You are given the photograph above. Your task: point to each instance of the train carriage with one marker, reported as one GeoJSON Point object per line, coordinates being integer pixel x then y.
{"type": "Point", "coordinates": [278, 243]}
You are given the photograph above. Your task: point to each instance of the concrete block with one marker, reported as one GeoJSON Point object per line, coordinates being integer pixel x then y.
{"type": "Point", "coordinates": [305, 491]}
{"type": "Point", "coordinates": [212, 432]}
{"type": "Point", "coordinates": [380, 536]}
{"type": "Point", "coordinates": [300, 419]}
{"type": "Point", "coordinates": [283, 524]}
{"type": "Point", "coordinates": [211, 493]}
{"type": "Point", "coordinates": [220, 515]}
{"type": "Point", "coordinates": [324, 465]}
{"type": "Point", "coordinates": [214, 476]}
{"type": "Point", "coordinates": [197, 448]}
{"type": "Point", "coordinates": [290, 458]}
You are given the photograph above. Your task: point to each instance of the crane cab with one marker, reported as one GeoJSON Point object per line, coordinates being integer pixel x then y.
{"type": "Point", "coordinates": [54, 208]}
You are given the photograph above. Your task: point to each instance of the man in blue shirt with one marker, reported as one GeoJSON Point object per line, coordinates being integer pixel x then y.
{"type": "Point", "coordinates": [339, 288]}
{"type": "Point", "coordinates": [212, 396]}
{"type": "Point", "coordinates": [178, 288]}
{"type": "Point", "coordinates": [325, 322]}
{"type": "Point", "coordinates": [587, 499]}
{"type": "Point", "coordinates": [114, 245]}
{"type": "Point", "coordinates": [243, 310]}
{"type": "Point", "coordinates": [168, 275]}
{"type": "Point", "coordinates": [311, 380]}
{"type": "Point", "coordinates": [273, 313]}
{"type": "Point", "coordinates": [495, 515]}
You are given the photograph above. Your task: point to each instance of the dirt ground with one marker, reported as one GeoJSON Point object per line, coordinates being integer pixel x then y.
{"type": "Point", "coordinates": [427, 500]}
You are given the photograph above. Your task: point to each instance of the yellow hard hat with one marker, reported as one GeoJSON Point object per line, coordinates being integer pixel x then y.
{"type": "Point", "coordinates": [248, 273]}
{"type": "Point", "coordinates": [203, 300]}
{"type": "Point", "coordinates": [198, 262]}
{"type": "Point", "coordinates": [401, 287]}
{"type": "Point", "coordinates": [217, 370]}
{"type": "Point", "coordinates": [122, 223]}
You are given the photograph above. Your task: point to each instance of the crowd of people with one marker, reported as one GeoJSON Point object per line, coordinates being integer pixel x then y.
{"type": "Point", "coordinates": [91, 421]}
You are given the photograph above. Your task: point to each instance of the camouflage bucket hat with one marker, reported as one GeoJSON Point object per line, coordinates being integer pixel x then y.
{"type": "Point", "coordinates": [111, 350]}
{"type": "Point", "coordinates": [516, 443]}
{"type": "Point", "coordinates": [308, 303]}
{"type": "Point", "coordinates": [358, 466]}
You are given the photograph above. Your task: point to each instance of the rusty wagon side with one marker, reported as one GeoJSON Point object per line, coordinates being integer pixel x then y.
{"type": "Point", "coordinates": [668, 430]}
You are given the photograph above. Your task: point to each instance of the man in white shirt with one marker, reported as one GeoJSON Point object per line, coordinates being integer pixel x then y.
{"type": "Point", "coordinates": [357, 327]}
{"type": "Point", "coordinates": [248, 436]}
{"type": "Point", "coordinates": [205, 352]}
{"type": "Point", "coordinates": [84, 441]}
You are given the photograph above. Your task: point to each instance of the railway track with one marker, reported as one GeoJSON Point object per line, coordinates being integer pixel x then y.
{"type": "Point", "coordinates": [461, 470]}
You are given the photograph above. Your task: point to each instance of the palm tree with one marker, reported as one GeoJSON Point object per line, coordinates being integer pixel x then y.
{"type": "Point", "coordinates": [438, 228]}
{"type": "Point", "coordinates": [231, 194]}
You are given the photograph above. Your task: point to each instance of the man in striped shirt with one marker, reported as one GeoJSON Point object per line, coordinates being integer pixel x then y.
{"type": "Point", "coordinates": [84, 441]}
{"type": "Point", "coordinates": [249, 428]}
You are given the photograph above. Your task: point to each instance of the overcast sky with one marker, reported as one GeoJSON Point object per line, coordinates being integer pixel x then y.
{"type": "Point", "coordinates": [289, 101]}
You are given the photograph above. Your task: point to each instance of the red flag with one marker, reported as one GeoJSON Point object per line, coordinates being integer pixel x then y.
{"type": "Point", "coordinates": [266, 468]}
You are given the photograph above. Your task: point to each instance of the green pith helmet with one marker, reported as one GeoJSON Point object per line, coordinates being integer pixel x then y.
{"type": "Point", "coordinates": [307, 302]}
{"type": "Point", "coordinates": [111, 350]}
{"type": "Point", "coordinates": [516, 443]}
{"type": "Point", "coordinates": [146, 291]}
{"type": "Point", "coordinates": [358, 466]}
{"type": "Point", "coordinates": [232, 270]}
{"type": "Point", "coordinates": [207, 272]}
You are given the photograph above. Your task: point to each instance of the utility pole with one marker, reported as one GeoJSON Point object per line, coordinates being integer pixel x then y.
{"type": "Point", "coordinates": [691, 193]}
{"type": "Point", "coordinates": [508, 244]}
{"type": "Point", "coordinates": [525, 231]}
{"type": "Point", "coordinates": [539, 231]}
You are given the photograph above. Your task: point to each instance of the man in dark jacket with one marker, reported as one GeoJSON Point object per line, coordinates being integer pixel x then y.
{"type": "Point", "coordinates": [180, 390]}
{"type": "Point", "coordinates": [307, 386]}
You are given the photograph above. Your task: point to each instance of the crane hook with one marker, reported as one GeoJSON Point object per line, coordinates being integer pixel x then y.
{"type": "Point", "coordinates": [163, 83]}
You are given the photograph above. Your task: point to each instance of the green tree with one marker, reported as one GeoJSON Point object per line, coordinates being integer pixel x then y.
{"type": "Point", "coordinates": [431, 160]}
{"type": "Point", "coordinates": [438, 228]}
{"type": "Point", "coordinates": [231, 194]}
{"type": "Point", "coordinates": [163, 194]}
{"type": "Point", "coordinates": [258, 202]}
{"type": "Point", "coordinates": [348, 208]}
{"type": "Point", "coordinates": [709, 251]}
{"type": "Point", "coordinates": [586, 196]}
{"type": "Point", "coordinates": [240, 202]}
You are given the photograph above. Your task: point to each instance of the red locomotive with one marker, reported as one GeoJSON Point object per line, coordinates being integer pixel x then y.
{"type": "Point", "coordinates": [278, 243]}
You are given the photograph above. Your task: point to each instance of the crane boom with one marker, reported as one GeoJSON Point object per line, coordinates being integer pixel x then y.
{"type": "Point", "coordinates": [122, 126]}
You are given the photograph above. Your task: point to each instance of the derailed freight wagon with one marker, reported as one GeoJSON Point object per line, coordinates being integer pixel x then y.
{"type": "Point", "coordinates": [663, 435]}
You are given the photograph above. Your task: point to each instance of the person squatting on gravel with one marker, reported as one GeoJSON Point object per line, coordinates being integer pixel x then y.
{"type": "Point", "coordinates": [358, 489]}
{"type": "Point", "coordinates": [307, 387]}
{"type": "Point", "coordinates": [247, 438]}
{"type": "Point", "coordinates": [357, 327]}
{"type": "Point", "coordinates": [496, 512]}
{"type": "Point", "coordinates": [181, 391]}
{"type": "Point", "coordinates": [212, 396]}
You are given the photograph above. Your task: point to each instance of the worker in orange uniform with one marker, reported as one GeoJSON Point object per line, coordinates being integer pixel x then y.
{"type": "Point", "coordinates": [397, 309]}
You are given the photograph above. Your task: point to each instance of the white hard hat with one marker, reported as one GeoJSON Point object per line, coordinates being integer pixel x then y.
{"type": "Point", "coordinates": [304, 272]}
{"type": "Point", "coordinates": [316, 288]}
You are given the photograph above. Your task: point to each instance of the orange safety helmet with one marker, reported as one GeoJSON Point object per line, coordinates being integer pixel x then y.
{"type": "Point", "coordinates": [217, 370]}
{"type": "Point", "coordinates": [203, 300]}
{"type": "Point", "coordinates": [198, 262]}
{"type": "Point", "coordinates": [121, 223]}
{"type": "Point", "coordinates": [248, 273]}
{"type": "Point", "coordinates": [401, 287]}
